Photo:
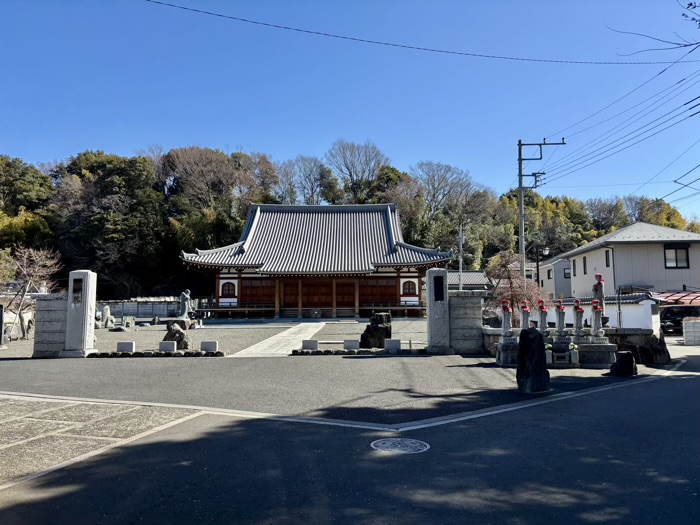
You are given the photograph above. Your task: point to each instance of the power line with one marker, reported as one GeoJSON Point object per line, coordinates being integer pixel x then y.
{"type": "Point", "coordinates": [667, 166]}
{"type": "Point", "coordinates": [608, 185]}
{"type": "Point", "coordinates": [417, 48]}
{"type": "Point", "coordinates": [626, 147]}
{"type": "Point", "coordinates": [558, 133]}
{"type": "Point", "coordinates": [620, 126]}
{"type": "Point", "coordinates": [611, 145]}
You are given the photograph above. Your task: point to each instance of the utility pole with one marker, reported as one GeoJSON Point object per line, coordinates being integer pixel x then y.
{"type": "Point", "coordinates": [521, 197]}
{"type": "Point", "coordinates": [461, 254]}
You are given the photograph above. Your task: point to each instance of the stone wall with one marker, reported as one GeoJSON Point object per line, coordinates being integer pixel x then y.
{"type": "Point", "coordinates": [50, 325]}
{"type": "Point", "coordinates": [645, 345]}
{"type": "Point", "coordinates": [466, 322]}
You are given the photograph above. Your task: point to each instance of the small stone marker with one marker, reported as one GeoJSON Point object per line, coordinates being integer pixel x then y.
{"type": "Point", "coordinates": [392, 344]}
{"type": "Point", "coordinates": [167, 346]}
{"type": "Point", "coordinates": [126, 347]}
{"type": "Point", "coordinates": [351, 344]}
{"type": "Point", "coordinates": [209, 346]}
{"type": "Point", "coordinates": [625, 365]}
{"type": "Point", "coordinates": [309, 344]}
{"type": "Point", "coordinates": [400, 445]}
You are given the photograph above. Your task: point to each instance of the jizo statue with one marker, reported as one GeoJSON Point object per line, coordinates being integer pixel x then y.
{"type": "Point", "coordinates": [599, 292]}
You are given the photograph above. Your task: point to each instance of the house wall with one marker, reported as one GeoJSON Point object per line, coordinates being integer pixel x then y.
{"type": "Point", "coordinates": [644, 265]}
{"type": "Point", "coordinates": [558, 287]}
{"type": "Point", "coordinates": [582, 284]}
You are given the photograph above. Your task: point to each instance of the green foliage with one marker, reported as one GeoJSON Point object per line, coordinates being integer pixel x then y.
{"type": "Point", "coordinates": [22, 186]}
{"type": "Point", "coordinates": [24, 229]}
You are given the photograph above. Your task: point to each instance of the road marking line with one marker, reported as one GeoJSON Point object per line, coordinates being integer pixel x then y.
{"type": "Point", "coordinates": [242, 414]}
{"type": "Point", "coordinates": [96, 452]}
{"type": "Point", "coordinates": [564, 396]}
{"type": "Point", "coordinates": [401, 427]}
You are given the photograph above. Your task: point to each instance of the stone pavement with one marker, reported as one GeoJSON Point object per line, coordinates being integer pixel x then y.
{"type": "Point", "coordinates": [282, 344]}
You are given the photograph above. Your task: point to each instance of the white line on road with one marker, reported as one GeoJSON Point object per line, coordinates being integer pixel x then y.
{"type": "Point", "coordinates": [96, 452]}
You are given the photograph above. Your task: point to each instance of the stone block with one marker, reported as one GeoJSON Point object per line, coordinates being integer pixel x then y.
{"type": "Point", "coordinates": [351, 344]}
{"type": "Point", "coordinates": [209, 346]}
{"type": "Point", "coordinates": [549, 359]}
{"type": "Point", "coordinates": [600, 356]}
{"type": "Point", "coordinates": [126, 347]}
{"type": "Point", "coordinates": [50, 337]}
{"type": "Point", "coordinates": [167, 346]}
{"type": "Point", "coordinates": [392, 344]}
{"type": "Point", "coordinates": [51, 305]}
{"type": "Point", "coordinates": [459, 332]}
{"type": "Point", "coordinates": [309, 344]}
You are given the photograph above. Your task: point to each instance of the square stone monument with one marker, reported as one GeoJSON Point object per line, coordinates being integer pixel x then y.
{"type": "Point", "coordinates": [80, 315]}
{"type": "Point", "coordinates": [438, 312]}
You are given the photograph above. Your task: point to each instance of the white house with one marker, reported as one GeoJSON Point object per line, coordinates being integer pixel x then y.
{"type": "Point", "coordinates": [555, 277]}
{"type": "Point", "coordinates": [634, 258]}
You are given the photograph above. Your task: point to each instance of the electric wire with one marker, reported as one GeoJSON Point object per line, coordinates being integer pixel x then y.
{"type": "Point", "coordinates": [417, 48]}
{"type": "Point", "coordinates": [613, 144]}
{"type": "Point", "coordinates": [667, 166]}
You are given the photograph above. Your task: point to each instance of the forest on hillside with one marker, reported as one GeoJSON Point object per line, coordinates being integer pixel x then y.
{"type": "Point", "coordinates": [129, 218]}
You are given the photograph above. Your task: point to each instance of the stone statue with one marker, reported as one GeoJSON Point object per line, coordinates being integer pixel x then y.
{"type": "Point", "coordinates": [532, 374]}
{"type": "Point", "coordinates": [107, 317]}
{"type": "Point", "coordinates": [377, 331]}
{"type": "Point", "coordinates": [543, 318]}
{"type": "Point", "coordinates": [507, 326]}
{"type": "Point", "coordinates": [185, 305]}
{"type": "Point", "coordinates": [561, 318]}
{"type": "Point", "coordinates": [524, 314]}
{"type": "Point", "coordinates": [599, 291]}
{"type": "Point", "coordinates": [578, 319]}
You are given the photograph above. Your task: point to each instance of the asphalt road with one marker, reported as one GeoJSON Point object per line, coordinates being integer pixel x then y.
{"type": "Point", "coordinates": [628, 454]}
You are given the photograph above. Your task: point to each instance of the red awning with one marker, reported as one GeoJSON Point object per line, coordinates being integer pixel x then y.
{"type": "Point", "coordinates": [680, 297]}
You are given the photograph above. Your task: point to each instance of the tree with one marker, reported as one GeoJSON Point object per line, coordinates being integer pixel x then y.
{"type": "Point", "coordinates": [307, 174]}
{"type": "Point", "coordinates": [330, 189]}
{"type": "Point", "coordinates": [286, 190]}
{"type": "Point", "coordinates": [607, 214]}
{"type": "Point", "coordinates": [357, 166]}
{"type": "Point", "coordinates": [22, 186]}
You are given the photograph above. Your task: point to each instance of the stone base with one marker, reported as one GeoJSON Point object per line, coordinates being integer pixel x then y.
{"type": "Point", "coordinates": [185, 324]}
{"type": "Point", "coordinates": [597, 356]}
{"type": "Point", "coordinates": [77, 353]}
{"type": "Point", "coordinates": [507, 355]}
{"type": "Point", "coordinates": [582, 340]}
{"type": "Point", "coordinates": [46, 354]}
{"type": "Point", "coordinates": [600, 340]}
{"type": "Point", "coordinates": [436, 350]}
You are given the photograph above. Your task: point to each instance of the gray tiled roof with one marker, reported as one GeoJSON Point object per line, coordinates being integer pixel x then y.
{"type": "Point", "coordinates": [318, 240]}
{"type": "Point", "coordinates": [611, 300]}
{"type": "Point", "coordinates": [637, 233]}
{"type": "Point", "coordinates": [469, 278]}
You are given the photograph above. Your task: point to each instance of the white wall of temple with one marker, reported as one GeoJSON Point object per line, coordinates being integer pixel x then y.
{"type": "Point", "coordinates": [642, 315]}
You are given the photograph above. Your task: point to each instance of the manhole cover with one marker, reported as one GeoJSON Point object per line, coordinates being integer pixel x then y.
{"type": "Point", "coordinates": [400, 445]}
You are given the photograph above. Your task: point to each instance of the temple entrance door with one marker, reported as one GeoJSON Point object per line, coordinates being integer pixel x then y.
{"type": "Point", "coordinates": [345, 294]}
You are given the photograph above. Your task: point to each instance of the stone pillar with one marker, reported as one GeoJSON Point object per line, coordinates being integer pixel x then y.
{"type": "Point", "coordinates": [561, 323]}
{"type": "Point", "coordinates": [466, 330]}
{"type": "Point", "coordinates": [80, 314]}
{"type": "Point", "coordinates": [50, 328]}
{"type": "Point", "coordinates": [543, 329]}
{"type": "Point", "coordinates": [438, 311]}
{"type": "Point", "coordinates": [524, 315]}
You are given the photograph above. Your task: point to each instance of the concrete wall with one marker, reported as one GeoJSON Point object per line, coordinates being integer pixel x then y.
{"type": "Point", "coordinates": [465, 322]}
{"type": "Point", "coordinates": [643, 315]}
{"type": "Point", "coordinates": [50, 327]}
{"type": "Point", "coordinates": [141, 309]}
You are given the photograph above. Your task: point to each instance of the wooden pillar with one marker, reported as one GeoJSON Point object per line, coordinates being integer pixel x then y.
{"type": "Point", "coordinates": [398, 287]}
{"type": "Point", "coordinates": [299, 295]}
{"type": "Point", "coordinates": [357, 298]}
{"type": "Point", "coordinates": [277, 298]}
{"type": "Point", "coordinates": [333, 313]}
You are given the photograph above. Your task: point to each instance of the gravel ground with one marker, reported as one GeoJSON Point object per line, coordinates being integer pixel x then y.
{"type": "Point", "coordinates": [411, 331]}
{"type": "Point", "coordinates": [232, 338]}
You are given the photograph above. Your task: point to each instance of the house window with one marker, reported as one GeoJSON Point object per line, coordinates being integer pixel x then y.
{"type": "Point", "coordinates": [676, 256]}
{"type": "Point", "coordinates": [549, 275]}
{"type": "Point", "coordinates": [567, 273]}
{"type": "Point", "coordinates": [228, 290]}
{"type": "Point", "coordinates": [409, 288]}
{"type": "Point", "coordinates": [585, 266]}
{"type": "Point", "coordinates": [573, 264]}
{"type": "Point", "coordinates": [607, 258]}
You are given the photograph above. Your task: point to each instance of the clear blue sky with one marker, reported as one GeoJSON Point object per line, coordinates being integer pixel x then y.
{"type": "Point", "coordinates": [119, 75]}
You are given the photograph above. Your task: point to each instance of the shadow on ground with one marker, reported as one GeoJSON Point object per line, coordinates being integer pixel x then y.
{"type": "Point", "coordinates": [261, 472]}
